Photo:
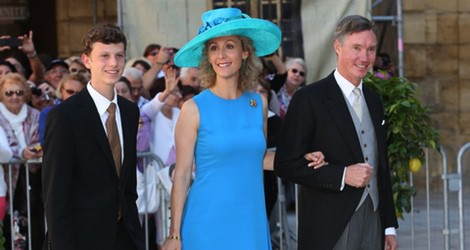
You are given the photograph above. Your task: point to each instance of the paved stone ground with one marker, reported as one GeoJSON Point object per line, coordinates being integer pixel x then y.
{"type": "Point", "coordinates": [433, 238]}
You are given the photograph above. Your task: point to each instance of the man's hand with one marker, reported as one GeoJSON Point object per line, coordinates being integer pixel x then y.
{"type": "Point", "coordinates": [391, 242]}
{"type": "Point", "coordinates": [358, 175]}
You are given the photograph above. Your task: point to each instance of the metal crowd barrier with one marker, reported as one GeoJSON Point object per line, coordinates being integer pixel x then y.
{"type": "Point", "coordinates": [459, 178]}
{"type": "Point", "coordinates": [147, 157]}
{"type": "Point", "coordinates": [452, 182]}
{"type": "Point", "coordinates": [164, 196]}
{"type": "Point", "coordinates": [285, 235]}
{"type": "Point", "coordinates": [10, 164]}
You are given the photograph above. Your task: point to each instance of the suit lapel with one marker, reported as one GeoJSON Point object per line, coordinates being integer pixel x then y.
{"type": "Point", "coordinates": [338, 108]}
{"type": "Point", "coordinates": [90, 114]}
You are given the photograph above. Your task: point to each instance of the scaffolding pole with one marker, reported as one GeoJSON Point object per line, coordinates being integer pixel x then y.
{"type": "Point", "coordinates": [398, 20]}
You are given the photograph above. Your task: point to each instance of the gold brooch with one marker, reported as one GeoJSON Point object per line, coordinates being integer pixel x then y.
{"type": "Point", "coordinates": [252, 103]}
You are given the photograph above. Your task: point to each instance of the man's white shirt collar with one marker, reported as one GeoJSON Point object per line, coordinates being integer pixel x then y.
{"type": "Point", "coordinates": [346, 86]}
{"type": "Point", "coordinates": [101, 102]}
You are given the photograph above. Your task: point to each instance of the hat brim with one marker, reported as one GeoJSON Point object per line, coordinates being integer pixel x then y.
{"type": "Point", "coordinates": [266, 37]}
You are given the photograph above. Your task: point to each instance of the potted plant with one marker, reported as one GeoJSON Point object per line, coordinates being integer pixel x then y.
{"type": "Point", "coordinates": [409, 133]}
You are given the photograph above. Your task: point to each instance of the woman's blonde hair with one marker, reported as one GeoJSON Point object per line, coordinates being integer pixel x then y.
{"type": "Point", "coordinates": [18, 79]}
{"type": "Point", "coordinates": [249, 71]}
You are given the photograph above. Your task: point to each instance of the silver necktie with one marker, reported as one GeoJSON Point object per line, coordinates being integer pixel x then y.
{"type": "Point", "coordinates": [357, 103]}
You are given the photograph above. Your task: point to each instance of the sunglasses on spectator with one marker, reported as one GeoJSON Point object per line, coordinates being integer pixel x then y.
{"type": "Point", "coordinates": [301, 73]}
{"type": "Point", "coordinates": [70, 91]}
{"type": "Point", "coordinates": [18, 92]}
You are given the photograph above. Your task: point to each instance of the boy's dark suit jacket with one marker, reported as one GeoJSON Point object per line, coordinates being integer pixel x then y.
{"type": "Point", "coordinates": [318, 119]}
{"type": "Point", "coordinates": [82, 191]}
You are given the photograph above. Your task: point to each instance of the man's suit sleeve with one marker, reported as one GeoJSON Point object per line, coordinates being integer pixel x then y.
{"type": "Point", "coordinates": [298, 138]}
{"type": "Point", "coordinates": [57, 177]}
{"type": "Point", "coordinates": [131, 188]}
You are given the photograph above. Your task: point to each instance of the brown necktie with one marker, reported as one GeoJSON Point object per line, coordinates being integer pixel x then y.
{"type": "Point", "coordinates": [113, 136]}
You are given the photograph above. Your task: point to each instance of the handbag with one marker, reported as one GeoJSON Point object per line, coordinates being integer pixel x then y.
{"type": "Point", "coordinates": [148, 199]}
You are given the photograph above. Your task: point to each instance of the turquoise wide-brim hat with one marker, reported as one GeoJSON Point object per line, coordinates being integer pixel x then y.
{"type": "Point", "coordinates": [266, 36]}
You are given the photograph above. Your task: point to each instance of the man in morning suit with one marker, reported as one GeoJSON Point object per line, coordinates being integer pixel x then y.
{"type": "Point", "coordinates": [89, 177]}
{"type": "Point", "coordinates": [346, 204]}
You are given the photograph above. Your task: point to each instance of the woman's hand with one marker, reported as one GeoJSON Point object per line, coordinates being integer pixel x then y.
{"type": "Point", "coordinates": [32, 152]}
{"type": "Point", "coordinates": [171, 83]}
{"type": "Point", "coordinates": [171, 244]}
{"type": "Point", "coordinates": [47, 90]}
{"type": "Point", "coordinates": [316, 159]}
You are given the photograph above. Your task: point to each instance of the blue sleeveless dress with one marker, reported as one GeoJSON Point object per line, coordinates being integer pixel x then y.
{"type": "Point", "coordinates": [225, 207]}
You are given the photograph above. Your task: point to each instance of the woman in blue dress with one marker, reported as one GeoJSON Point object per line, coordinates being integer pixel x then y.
{"type": "Point", "coordinates": [223, 129]}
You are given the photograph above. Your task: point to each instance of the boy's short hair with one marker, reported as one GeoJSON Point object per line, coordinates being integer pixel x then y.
{"type": "Point", "coordinates": [103, 33]}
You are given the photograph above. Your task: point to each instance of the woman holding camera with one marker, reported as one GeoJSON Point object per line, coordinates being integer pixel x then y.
{"type": "Point", "coordinates": [17, 118]}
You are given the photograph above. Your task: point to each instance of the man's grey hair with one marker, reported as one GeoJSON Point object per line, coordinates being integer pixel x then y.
{"type": "Point", "coordinates": [352, 24]}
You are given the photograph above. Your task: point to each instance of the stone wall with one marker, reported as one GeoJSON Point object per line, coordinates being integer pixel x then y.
{"type": "Point", "coordinates": [74, 18]}
{"type": "Point", "coordinates": [169, 23]}
{"type": "Point", "coordinates": [437, 58]}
